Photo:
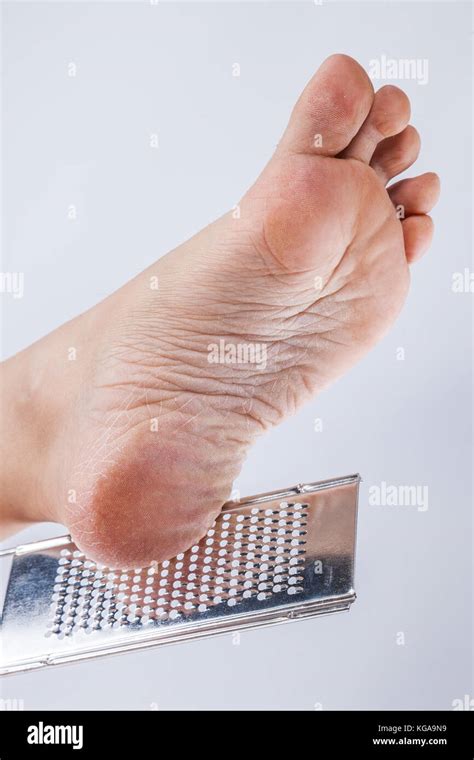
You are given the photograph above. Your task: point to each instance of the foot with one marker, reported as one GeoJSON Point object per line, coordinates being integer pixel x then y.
{"type": "Point", "coordinates": [145, 406]}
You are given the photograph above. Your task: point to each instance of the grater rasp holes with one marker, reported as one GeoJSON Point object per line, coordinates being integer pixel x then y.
{"type": "Point", "coordinates": [245, 556]}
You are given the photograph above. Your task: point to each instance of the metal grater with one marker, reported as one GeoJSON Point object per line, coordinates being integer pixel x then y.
{"type": "Point", "coordinates": [267, 559]}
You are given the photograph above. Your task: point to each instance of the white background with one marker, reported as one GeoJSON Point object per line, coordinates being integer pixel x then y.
{"type": "Point", "coordinates": [167, 69]}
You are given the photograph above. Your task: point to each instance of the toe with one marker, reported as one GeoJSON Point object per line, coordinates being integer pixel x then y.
{"type": "Point", "coordinates": [331, 109]}
{"type": "Point", "coordinates": [417, 235]}
{"type": "Point", "coordinates": [389, 115]}
{"type": "Point", "coordinates": [416, 195]}
{"type": "Point", "coordinates": [395, 154]}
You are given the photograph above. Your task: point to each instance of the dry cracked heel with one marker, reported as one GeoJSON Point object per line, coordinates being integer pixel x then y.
{"type": "Point", "coordinates": [268, 559]}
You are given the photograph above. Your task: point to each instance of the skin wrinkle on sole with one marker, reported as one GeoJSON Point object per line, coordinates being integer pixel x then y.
{"type": "Point", "coordinates": [315, 270]}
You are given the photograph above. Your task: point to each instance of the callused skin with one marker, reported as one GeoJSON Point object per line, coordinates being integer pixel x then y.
{"type": "Point", "coordinates": [134, 446]}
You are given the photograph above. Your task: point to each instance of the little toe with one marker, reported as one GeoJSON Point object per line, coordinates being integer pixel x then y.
{"type": "Point", "coordinates": [395, 154]}
{"type": "Point", "coordinates": [389, 115]}
{"type": "Point", "coordinates": [416, 195]}
{"type": "Point", "coordinates": [417, 236]}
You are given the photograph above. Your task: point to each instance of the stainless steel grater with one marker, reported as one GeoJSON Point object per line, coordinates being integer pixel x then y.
{"type": "Point", "coordinates": [267, 559]}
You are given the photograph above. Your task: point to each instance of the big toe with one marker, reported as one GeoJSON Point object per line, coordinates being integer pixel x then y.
{"type": "Point", "coordinates": [330, 110]}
